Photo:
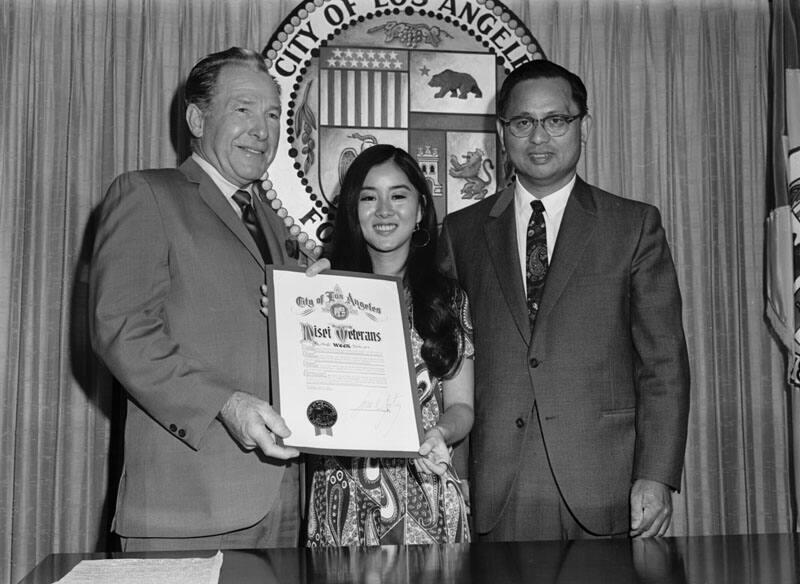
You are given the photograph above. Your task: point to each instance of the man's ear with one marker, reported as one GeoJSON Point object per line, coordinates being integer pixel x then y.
{"type": "Point", "coordinates": [195, 119]}
{"type": "Point", "coordinates": [586, 126]}
{"type": "Point", "coordinates": [501, 132]}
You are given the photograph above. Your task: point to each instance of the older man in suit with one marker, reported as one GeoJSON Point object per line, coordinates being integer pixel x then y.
{"type": "Point", "coordinates": [175, 285]}
{"type": "Point", "coordinates": [582, 377]}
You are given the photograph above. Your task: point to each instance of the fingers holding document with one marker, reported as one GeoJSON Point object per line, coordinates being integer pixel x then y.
{"type": "Point", "coordinates": [317, 267]}
{"type": "Point", "coordinates": [253, 423]}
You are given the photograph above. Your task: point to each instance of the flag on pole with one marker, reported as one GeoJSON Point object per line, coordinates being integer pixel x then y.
{"type": "Point", "coordinates": [783, 222]}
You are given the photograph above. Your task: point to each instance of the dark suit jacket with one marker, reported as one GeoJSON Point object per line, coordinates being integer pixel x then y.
{"type": "Point", "coordinates": [606, 363]}
{"type": "Point", "coordinates": [175, 298]}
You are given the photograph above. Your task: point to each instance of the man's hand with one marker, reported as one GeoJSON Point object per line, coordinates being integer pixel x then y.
{"type": "Point", "coordinates": [651, 508]}
{"type": "Point", "coordinates": [254, 424]}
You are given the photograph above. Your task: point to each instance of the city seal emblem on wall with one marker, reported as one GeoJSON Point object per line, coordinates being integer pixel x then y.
{"type": "Point", "coordinates": [419, 74]}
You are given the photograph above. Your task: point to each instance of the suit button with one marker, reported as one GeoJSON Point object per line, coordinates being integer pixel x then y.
{"type": "Point", "coordinates": [181, 432]}
{"type": "Point", "coordinates": [173, 428]}
{"type": "Point", "coordinates": [534, 362]}
{"type": "Point", "coordinates": [519, 422]}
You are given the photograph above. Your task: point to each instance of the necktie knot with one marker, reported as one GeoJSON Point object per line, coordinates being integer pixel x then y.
{"type": "Point", "coordinates": [245, 202]}
{"type": "Point", "coordinates": [538, 207]}
{"type": "Point", "coordinates": [242, 198]}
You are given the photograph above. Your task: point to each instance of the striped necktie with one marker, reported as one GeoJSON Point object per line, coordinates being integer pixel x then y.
{"type": "Point", "coordinates": [242, 198]}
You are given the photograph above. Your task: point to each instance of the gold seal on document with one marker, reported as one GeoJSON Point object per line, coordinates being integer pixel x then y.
{"type": "Point", "coordinates": [322, 415]}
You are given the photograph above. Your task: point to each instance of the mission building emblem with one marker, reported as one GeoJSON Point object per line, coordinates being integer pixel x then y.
{"type": "Point", "coordinates": [421, 75]}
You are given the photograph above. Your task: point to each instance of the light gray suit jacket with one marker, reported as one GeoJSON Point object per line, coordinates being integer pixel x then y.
{"type": "Point", "coordinates": [175, 298]}
{"type": "Point", "coordinates": [606, 364]}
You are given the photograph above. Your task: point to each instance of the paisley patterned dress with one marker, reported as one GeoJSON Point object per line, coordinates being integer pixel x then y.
{"type": "Point", "coordinates": [384, 501]}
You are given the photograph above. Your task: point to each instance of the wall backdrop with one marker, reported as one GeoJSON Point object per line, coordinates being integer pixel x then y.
{"type": "Point", "coordinates": [678, 92]}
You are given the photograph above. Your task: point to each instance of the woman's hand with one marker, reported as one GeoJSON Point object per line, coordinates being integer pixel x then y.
{"type": "Point", "coordinates": [264, 301]}
{"type": "Point", "coordinates": [318, 266]}
{"type": "Point", "coordinates": [434, 453]}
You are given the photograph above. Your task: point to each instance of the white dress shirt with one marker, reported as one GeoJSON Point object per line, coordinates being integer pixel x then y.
{"type": "Point", "coordinates": [223, 184]}
{"type": "Point", "coordinates": [554, 205]}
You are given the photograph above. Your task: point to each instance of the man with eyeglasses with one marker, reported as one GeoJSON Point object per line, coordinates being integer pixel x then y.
{"type": "Point", "coordinates": [582, 374]}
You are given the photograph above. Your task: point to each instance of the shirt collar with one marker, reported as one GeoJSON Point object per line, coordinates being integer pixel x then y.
{"type": "Point", "coordinates": [553, 203]}
{"type": "Point", "coordinates": [224, 185]}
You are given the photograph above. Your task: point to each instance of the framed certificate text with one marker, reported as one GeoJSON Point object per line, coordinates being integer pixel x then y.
{"type": "Point", "coordinates": [343, 375]}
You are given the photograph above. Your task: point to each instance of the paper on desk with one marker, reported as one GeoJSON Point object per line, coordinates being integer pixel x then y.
{"type": "Point", "coordinates": [146, 571]}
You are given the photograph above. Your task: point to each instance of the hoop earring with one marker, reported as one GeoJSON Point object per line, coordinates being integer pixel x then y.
{"type": "Point", "coordinates": [420, 237]}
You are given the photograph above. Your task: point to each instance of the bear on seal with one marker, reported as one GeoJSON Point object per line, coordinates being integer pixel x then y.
{"type": "Point", "coordinates": [456, 83]}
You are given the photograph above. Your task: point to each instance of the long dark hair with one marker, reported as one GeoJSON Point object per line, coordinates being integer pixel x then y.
{"type": "Point", "coordinates": [432, 293]}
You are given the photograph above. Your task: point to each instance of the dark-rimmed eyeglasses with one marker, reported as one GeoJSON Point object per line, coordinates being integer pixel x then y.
{"type": "Point", "coordinates": [555, 125]}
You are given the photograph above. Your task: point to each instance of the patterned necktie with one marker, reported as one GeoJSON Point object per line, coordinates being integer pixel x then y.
{"type": "Point", "coordinates": [535, 259]}
{"type": "Point", "coordinates": [242, 198]}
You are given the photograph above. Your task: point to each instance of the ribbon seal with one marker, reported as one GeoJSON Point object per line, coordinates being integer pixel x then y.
{"type": "Point", "coordinates": [323, 416]}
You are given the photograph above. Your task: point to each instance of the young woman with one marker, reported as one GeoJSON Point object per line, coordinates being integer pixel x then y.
{"type": "Point", "coordinates": [386, 224]}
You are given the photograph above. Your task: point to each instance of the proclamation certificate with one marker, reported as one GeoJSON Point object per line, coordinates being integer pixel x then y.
{"type": "Point", "coordinates": [343, 376]}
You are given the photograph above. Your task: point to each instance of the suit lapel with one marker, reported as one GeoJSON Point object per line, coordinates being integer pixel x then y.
{"type": "Point", "coordinates": [211, 195]}
{"type": "Point", "coordinates": [500, 231]}
{"type": "Point", "coordinates": [577, 225]}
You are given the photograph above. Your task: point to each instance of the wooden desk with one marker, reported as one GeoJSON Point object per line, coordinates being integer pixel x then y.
{"type": "Point", "coordinates": [754, 559]}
